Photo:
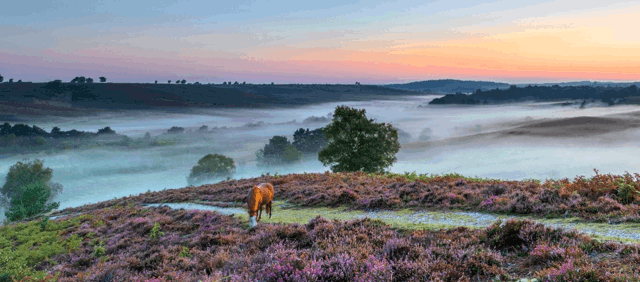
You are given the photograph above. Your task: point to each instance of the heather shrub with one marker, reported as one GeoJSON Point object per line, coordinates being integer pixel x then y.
{"type": "Point", "coordinates": [544, 253]}
{"type": "Point", "coordinates": [570, 271]}
{"type": "Point", "coordinates": [521, 204]}
{"type": "Point", "coordinates": [211, 167]}
{"type": "Point", "coordinates": [346, 197]}
{"type": "Point", "coordinates": [506, 235]}
{"type": "Point", "coordinates": [396, 249]}
{"type": "Point", "coordinates": [495, 190]}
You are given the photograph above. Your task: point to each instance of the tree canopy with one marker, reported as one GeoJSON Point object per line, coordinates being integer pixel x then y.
{"type": "Point", "coordinates": [279, 151]}
{"type": "Point", "coordinates": [212, 167]}
{"type": "Point", "coordinates": [355, 143]}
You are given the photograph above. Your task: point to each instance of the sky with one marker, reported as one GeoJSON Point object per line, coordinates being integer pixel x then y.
{"type": "Point", "coordinates": [331, 41]}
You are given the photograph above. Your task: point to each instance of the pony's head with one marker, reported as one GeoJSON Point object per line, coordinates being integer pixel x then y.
{"type": "Point", "coordinates": [252, 222]}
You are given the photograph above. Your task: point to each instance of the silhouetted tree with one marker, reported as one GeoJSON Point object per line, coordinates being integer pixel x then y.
{"type": "Point", "coordinates": [169, 81]}
{"type": "Point", "coordinates": [156, 82]}
{"type": "Point", "coordinates": [89, 80]}
{"type": "Point", "coordinates": [224, 83]}
{"type": "Point", "coordinates": [103, 79]}
{"type": "Point", "coordinates": [106, 130]}
{"type": "Point", "coordinates": [244, 83]}
{"type": "Point", "coordinates": [10, 80]}
{"type": "Point", "coordinates": [183, 81]}
{"type": "Point", "coordinates": [236, 83]}
{"type": "Point", "coordinates": [355, 143]}
{"type": "Point", "coordinates": [1, 78]}
{"type": "Point", "coordinates": [272, 83]}
{"type": "Point", "coordinates": [175, 130]}
{"type": "Point", "coordinates": [55, 131]}
{"type": "Point", "coordinates": [19, 80]}
{"type": "Point", "coordinates": [79, 79]}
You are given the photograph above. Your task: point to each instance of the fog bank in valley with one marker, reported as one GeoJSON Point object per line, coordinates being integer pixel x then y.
{"type": "Point", "coordinates": [496, 141]}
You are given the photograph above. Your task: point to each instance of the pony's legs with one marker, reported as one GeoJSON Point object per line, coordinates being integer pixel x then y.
{"type": "Point", "coordinates": [269, 209]}
{"type": "Point", "coordinates": [260, 213]}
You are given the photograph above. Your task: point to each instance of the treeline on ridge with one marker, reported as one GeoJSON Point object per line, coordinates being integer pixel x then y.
{"type": "Point", "coordinates": [516, 94]}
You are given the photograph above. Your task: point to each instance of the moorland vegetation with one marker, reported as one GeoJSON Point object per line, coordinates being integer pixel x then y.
{"type": "Point", "coordinates": [122, 240]}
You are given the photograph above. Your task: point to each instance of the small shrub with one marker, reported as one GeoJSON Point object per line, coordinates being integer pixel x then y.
{"type": "Point", "coordinates": [30, 202]}
{"type": "Point", "coordinates": [98, 249]}
{"type": "Point", "coordinates": [155, 231]}
{"type": "Point", "coordinates": [495, 190]}
{"type": "Point", "coordinates": [185, 252]}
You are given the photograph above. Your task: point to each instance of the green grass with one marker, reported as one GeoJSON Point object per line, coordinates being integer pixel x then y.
{"type": "Point", "coordinates": [287, 213]}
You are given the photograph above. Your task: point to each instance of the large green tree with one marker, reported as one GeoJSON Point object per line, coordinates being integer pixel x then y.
{"type": "Point", "coordinates": [212, 167]}
{"type": "Point", "coordinates": [355, 143]}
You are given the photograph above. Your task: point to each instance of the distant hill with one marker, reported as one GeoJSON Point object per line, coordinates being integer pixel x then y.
{"type": "Point", "coordinates": [73, 99]}
{"type": "Point", "coordinates": [583, 83]}
{"type": "Point", "coordinates": [610, 95]}
{"type": "Point", "coordinates": [449, 86]}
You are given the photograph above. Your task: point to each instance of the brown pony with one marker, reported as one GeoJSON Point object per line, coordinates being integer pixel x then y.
{"type": "Point", "coordinates": [259, 196]}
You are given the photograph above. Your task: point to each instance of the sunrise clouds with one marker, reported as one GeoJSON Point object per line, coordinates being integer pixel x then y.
{"type": "Point", "coordinates": [372, 42]}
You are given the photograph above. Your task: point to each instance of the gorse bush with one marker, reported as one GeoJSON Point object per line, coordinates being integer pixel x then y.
{"type": "Point", "coordinates": [212, 167]}
{"type": "Point", "coordinates": [28, 190]}
{"type": "Point", "coordinates": [355, 143]}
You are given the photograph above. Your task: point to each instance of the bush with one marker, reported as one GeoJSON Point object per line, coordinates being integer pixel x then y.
{"type": "Point", "coordinates": [355, 143]}
{"type": "Point", "coordinates": [279, 151]}
{"type": "Point", "coordinates": [212, 167]}
{"type": "Point", "coordinates": [30, 202]}
{"type": "Point", "coordinates": [29, 184]}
